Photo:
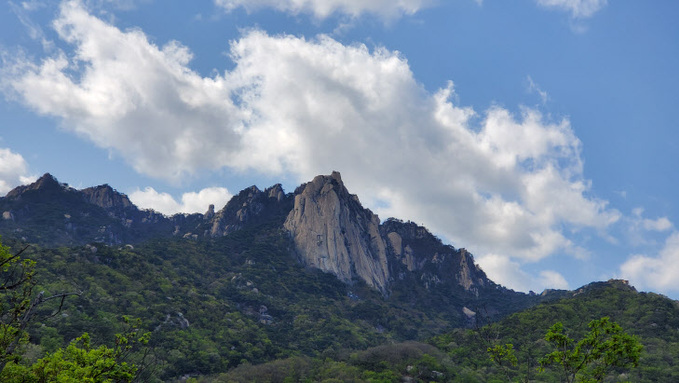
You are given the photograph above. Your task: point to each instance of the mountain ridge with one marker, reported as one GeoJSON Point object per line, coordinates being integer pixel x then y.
{"type": "Point", "coordinates": [329, 230]}
{"type": "Point", "coordinates": [329, 227]}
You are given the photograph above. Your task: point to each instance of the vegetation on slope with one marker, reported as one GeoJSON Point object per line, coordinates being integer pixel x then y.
{"type": "Point", "coordinates": [214, 305]}
{"type": "Point", "coordinates": [652, 318]}
{"type": "Point", "coordinates": [216, 309]}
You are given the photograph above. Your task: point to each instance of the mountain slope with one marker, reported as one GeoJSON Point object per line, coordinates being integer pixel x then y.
{"type": "Point", "coordinates": [215, 304]}
{"type": "Point", "coordinates": [461, 356]}
{"type": "Point", "coordinates": [651, 317]}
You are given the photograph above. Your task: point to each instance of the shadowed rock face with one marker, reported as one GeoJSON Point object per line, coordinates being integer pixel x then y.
{"type": "Point", "coordinates": [250, 207]}
{"type": "Point", "coordinates": [334, 233]}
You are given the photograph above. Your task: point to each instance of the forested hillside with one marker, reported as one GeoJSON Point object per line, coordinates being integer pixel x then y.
{"type": "Point", "coordinates": [247, 300]}
{"type": "Point", "coordinates": [216, 304]}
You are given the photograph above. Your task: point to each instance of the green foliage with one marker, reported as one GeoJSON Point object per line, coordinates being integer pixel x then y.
{"type": "Point", "coordinates": [525, 331]}
{"type": "Point", "coordinates": [417, 362]}
{"type": "Point", "coordinates": [604, 348]}
{"type": "Point", "coordinates": [214, 305]}
{"type": "Point", "coordinates": [79, 361]}
{"type": "Point", "coordinates": [245, 302]}
{"type": "Point", "coordinates": [16, 289]}
{"type": "Point", "coordinates": [234, 308]}
{"type": "Point", "coordinates": [82, 362]}
{"type": "Point", "coordinates": [503, 356]}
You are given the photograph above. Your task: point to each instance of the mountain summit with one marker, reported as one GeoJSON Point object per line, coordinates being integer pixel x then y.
{"type": "Point", "coordinates": [334, 233]}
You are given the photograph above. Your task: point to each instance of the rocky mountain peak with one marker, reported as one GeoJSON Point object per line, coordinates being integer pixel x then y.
{"type": "Point", "coordinates": [276, 192]}
{"type": "Point", "coordinates": [250, 206]}
{"type": "Point", "coordinates": [106, 197]}
{"type": "Point", "coordinates": [46, 183]}
{"type": "Point", "coordinates": [334, 233]}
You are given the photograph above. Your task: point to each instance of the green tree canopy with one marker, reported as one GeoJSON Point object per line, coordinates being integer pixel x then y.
{"type": "Point", "coordinates": [605, 348]}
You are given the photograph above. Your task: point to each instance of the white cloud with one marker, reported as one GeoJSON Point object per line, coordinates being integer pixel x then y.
{"type": "Point", "coordinates": [502, 270]}
{"type": "Point", "coordinates": [321, 9]}
{"type": "Point", "coordinates": [553, 280]}
{"type": "Point", "coordinates": [659, 272]}
{"type": "Point", "coordinates": [22, 13]}
{"type": "Point", "coordinates": [388, 9]}
{"type": "Point", "coordinates": [577, 8]}
{"type": "Point", "coordinates": [535, 88]}
{"type": "Point", "coordinates": [13, 171]}
{"type": "Point", "coordinates": [640, 230]}
{"type": "Point", "coordinates": [132, 96]}
{"type": "Point", "coordinates": [192, 202]}
{"type": "Point", "coordinates": [660, 224]}
{"type": "Point", "coordinates": [508, 184]}
{"type": "Point", "coordinates": [31, 5]}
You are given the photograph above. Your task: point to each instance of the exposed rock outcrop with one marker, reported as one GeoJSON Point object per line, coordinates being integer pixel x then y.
{"type": "Point", "coordinates": [334, 233]}
{"type": "Point", "coordinates": [250, 206]}
{"type": "Point", "coordinates": [331, 231]}
{"type": "Point", "coordinates": [106, 197]}
{"type": "Point", "coordinates": [46, 184]}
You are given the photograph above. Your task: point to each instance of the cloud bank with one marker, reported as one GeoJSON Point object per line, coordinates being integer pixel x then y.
{"type": "Point", "coordinates": [495, 182]}
{"type": "Point", "coordinates": [659, 272]}
{"type": "Point", "coordinates": [506, 272]}
{"type": "Point", "coordinates": [387, 9]}
{"type": "Point", "coordinates": [321, 9]}
{"type": "Point", "coordinates": [13, 171]}
{"type": "Point", "coordinates": [579, 9]}
{"type": "Point", "coordinates": [193, 202]}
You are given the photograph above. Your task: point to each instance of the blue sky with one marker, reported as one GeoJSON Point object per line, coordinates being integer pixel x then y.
{"type": "Point", "coordinates": [541, 135]}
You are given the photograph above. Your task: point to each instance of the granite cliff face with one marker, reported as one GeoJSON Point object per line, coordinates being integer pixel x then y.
{"type": "Point", "coordinates": [333, 232]}
{"type": "Point", "coordinates": [106, 197]}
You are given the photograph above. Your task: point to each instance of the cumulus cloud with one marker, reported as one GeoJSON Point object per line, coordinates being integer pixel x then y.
{"type": "Point", "coordinates": [578, 8]}
{"type": "Point", "coordinates": [13, 171]}
{"type": "Point", "coordinates": [321, 9]}
{"type": "Point", "coordinates": [132, 96]}
{"type": "Point", "coordinates": [498, 183]}
{"type": "Point", "coordinates": [655, 272]}
{"type": "Point", "coordinates": [192, 202]}
{"type": "Point", "coordinates": [504, 271]}
{"type": "Point", "coordinates": [553, 280]}
{"type": "Point", "coordinates": [660, 224]}
{"type": "Point", "coordinates": [641, 230]}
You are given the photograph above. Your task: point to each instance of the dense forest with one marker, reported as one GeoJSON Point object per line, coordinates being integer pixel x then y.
{"type": "Point", "coordinates": [241, 309]}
